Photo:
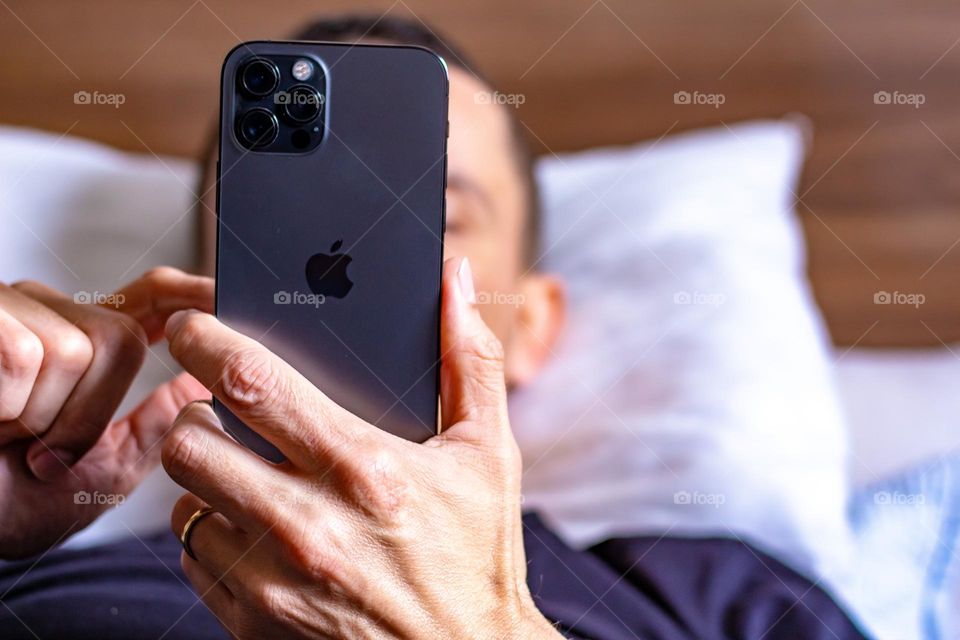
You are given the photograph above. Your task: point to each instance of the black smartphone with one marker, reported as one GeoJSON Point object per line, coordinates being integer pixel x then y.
{"type": "Point", "coordinates": [330, 204]}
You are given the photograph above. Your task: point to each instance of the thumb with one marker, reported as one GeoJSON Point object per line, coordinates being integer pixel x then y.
{"type": "Point", "coordinates": [472, 387]}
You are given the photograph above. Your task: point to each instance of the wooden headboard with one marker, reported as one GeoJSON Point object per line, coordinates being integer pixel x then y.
{"type": "Point", "coordinates": [880, 193]}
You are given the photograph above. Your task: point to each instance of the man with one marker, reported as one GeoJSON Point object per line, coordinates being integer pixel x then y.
{"type": "Point", "coordinates": [359, 534]}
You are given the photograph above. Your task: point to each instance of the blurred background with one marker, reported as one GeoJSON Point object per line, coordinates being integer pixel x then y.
{"type": "Point", "coordinates": [880, 191]}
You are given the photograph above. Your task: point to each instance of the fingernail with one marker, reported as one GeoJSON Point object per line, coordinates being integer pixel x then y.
{"type": "Point", "coordinates": [175, 320]}
{"type": "Point", "coordinates": [49, 464]}
{"type": "Point", "coordinates": [465, 276]}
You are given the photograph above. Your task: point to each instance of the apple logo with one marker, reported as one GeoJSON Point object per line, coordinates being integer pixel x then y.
{"type": "Point", "coordinates": [327, 272]}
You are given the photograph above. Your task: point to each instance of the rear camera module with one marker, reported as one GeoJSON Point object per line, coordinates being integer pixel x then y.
{"type": "Point", "coordinates": [278, 103]}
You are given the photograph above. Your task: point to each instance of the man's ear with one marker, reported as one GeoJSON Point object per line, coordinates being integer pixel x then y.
{"type": "Point", "coordinates": [537, 326]}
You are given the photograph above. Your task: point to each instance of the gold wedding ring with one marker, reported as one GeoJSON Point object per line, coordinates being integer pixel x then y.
{"type": "Point", "coordinates": [197, 516]}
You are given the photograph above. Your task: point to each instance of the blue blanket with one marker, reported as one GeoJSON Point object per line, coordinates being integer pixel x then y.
{"type": "Point", "coordinates": [908, 560]}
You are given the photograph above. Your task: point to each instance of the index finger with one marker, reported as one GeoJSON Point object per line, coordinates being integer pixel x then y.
{"type": "Point", "coordinates": [160, 292]}
{"type": "Point", "coordinates": [267, 394]}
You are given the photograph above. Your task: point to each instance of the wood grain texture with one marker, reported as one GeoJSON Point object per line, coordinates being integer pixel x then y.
{"type": "Point", "coordinates": [880, 193]}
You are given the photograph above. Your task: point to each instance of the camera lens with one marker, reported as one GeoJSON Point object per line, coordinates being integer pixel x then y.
{"type": "Point", "coordinates": [259, 77]}
{"type": "Point", "coordinates": [258, 128]}
{"type": "Point", "coordinates": [303, 104]}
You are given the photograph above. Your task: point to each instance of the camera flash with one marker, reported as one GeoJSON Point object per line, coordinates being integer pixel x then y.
{"type": "Point", "coordinates": [302, 70]}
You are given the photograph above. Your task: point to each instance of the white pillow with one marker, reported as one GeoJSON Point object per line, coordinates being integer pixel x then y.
{"type": "Point", "coordinates": [691, 393]}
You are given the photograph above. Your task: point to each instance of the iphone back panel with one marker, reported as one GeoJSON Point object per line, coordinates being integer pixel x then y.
{"type": "Point", "coordinates": [330, 204]}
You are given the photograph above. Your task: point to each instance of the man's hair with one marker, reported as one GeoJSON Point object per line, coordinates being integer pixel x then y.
{"type": "Point", "coordinates": [358, 27]}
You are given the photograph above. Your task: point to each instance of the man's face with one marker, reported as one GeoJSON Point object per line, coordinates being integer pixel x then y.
{"type": "Point", "coordinates": [486, 222]}
{"type": "Point", "coordinates": [485, 199]}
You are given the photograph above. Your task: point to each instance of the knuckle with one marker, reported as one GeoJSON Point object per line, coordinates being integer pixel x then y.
{"type": "Point", "coordinates": [26, 286]}
{"type": "Point", "coordinates": [20, 353]}
{"type": "Point", "coordinates": [180, 451]}
{"type": "Point", "coordinates": [161, 274]}
{"type": "Point", "coordinates": [486, 356]}
{"type": "Point", "coordinates": [190, 333]}
{"type": "Point", "coordinates": [380, 488]}
{"type": "Point", "coordinates": [250, 379]}
{"type": "Point", "coordinates": [272, 599]}
{"type": "Point", "coordinates": [161, 278]}
{"type": "Point", "coordinates": [488, 348]}
{"type": "Point", "coordinates": [315, 561]}
{"type": "Point", "coordinates": [69, 350]}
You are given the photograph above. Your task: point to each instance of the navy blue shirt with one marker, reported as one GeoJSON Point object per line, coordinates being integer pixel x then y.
{"type": "Point", "coordinates": [644, 587]}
